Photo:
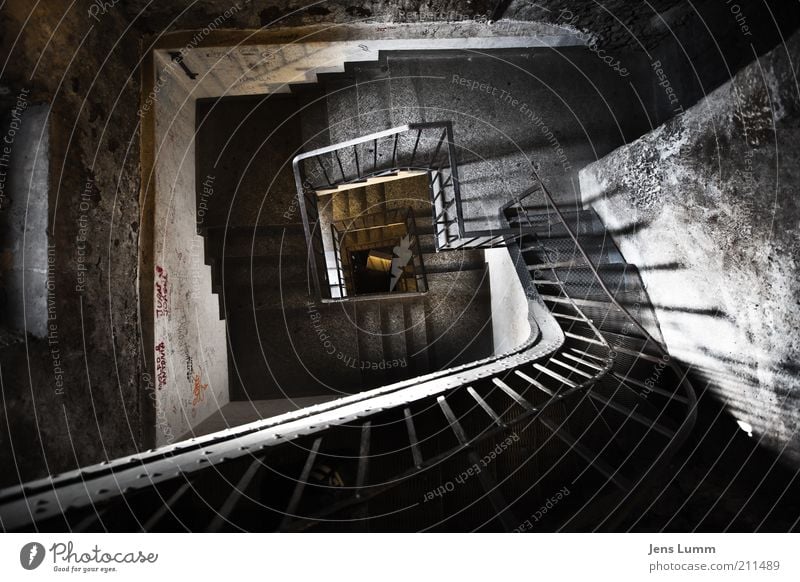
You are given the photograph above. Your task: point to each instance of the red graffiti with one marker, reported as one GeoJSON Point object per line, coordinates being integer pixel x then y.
{"type": "Point", "coordinates": [161, 365]}
{"type": "Point", "coordinates": [162, 293]}
{"type": "Point", "coordinates": [199, 391]}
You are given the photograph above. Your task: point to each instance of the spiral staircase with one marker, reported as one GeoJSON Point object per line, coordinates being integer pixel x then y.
{"type": "Point", "coordinates": [569, 431]}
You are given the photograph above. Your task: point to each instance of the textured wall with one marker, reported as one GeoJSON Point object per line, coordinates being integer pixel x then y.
{"type": "Point", "coordinates": [84, 73]}
{"type": "Point", "coordinates": [190, 351]}
{"type": "Point", "coordinates": [710, 198]}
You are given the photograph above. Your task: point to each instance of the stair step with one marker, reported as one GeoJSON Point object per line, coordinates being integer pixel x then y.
{"type": "Point", "coordinates": [556, 265]}
{"type": "Point", "coordinates": [356, 202]}
{"type": "Point", "coordinates": [249, 241]}
{"type": "Point", "coordinates": [393, 330]}
{"type": "Point", "coordinates": [590, 456]}
{"type": "Point", "coordinates": [620, 276]}
{"type": "Point", "coordinates": [450, 261]}
{"type": "Point", "coordinates": [409, 192]}
{"type": "Point", "coordinates": [375, 197]}
{"type": "Point", "coordinates": [417, 337]}
{"type": "Point", "coordinates": [632, 414]}
{"type": "Point", "coordinates": [370, 343]}
{"type": "Point", "coordinates": [265, 272]}
{"type": "Point", "coordinates": [600, 249]}
{"type": "Point", "coordinates": [581, 222]}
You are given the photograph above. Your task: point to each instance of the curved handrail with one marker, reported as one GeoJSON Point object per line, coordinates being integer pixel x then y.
{"type": "Point", "coordinates": [685, 428]}
{"type": "Point", "coordinates": [546, 336]}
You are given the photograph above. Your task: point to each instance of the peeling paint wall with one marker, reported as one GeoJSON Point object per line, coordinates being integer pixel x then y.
{"type": "Point", "coordinates": [711, 204]}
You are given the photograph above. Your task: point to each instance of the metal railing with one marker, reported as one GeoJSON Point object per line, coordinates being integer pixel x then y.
{"type": "Point", "coordinates": [539, 227]}
{"type": "Point", "coordinates": [345, 236]}
{"type": "Point", "coordinates": [225, 480]}
{"type": "Point", "coordinates": [425, 147]}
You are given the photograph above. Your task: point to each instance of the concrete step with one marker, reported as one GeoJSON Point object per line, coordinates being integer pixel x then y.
{"type": "Point", "coordinates": [241, 273]}
{"type": "Point", "coordinates": [255, 241]}
{"type": "Point", "coordinates": [280, 353]}
{"type": "Point", "coordinates": [452, 261]}
{"type": "Point", "coordinates": [374, 97]}
{"type": "Point", "coordinates": [340, 203]}
{"type": "Point", "coordinates": [409, 192]}
{"type": "Point", "coordinates": [313, 116]}
{"type": "Point", "coordinates": [370, 343]}
{"type": "Point", "coordinates": [580, 281]}
{"type": "Point", "coordinates": [605, 314]}
{"type": "Point", "coordinates": [262, 297]}
{"type": "Point", "coordinates": [356, 202]}
{"type": "Point", "coordinates": [250, 182]}
{"type": "Point", "coordinates": [600, 249]}
{"type": "Point", "coordinates": [393, 330]}
{"type": "Point", "coordinates": [416, 332]}
{"type": "Point", "coordinates": [581, 222]}
{"type": "Point", "coordinates": [375, 197]}
{"type": "Point", "coordinates": [342, 103]}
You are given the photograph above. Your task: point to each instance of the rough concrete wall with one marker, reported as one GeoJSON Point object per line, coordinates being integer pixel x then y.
{"type": "Point", "coordinates": [74, 397]}
{"type": "Point", "coordinates": [257, 14]}
{"type": "Point", "coordinates": [696, 46]}
{"type": "Point", "coordinates": [615, 24]}
{"type": "Point", "coordinates": [191, 362]}
{"type": "Point", "coordinates": [510, 325]}
{"type": "Point", "coordinates": [710, 202]}
{"type": "Point", "coordinates": [23, 227]}
{"type": "Point", "coordinates": [643, 26]}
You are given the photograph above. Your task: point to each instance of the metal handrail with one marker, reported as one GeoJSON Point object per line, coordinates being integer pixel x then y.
{"type": "Point", "coordinates": [396, 217]}
{"type": "Point", "coordinates": [685, 428]}
{"type": "Point", "coordinates": [434, 156]}
{"type": "Point", "coordinates": [227, 445]}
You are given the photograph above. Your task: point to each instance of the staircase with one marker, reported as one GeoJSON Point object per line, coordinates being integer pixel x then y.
{"type": "Point", "coordinates": [570, 431]}
{"type": "Point", "coordinates": [260, 275]}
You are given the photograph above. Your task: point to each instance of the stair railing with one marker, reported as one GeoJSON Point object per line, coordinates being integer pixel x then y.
{"type": "Point", "coordinates": [651, 476]}
{"type": "Point", "coordinates": [347, 229]}
{"type": "Point", "coordinates": [339, 287]}
{"type": "Point", "coordinates": [415, 147]}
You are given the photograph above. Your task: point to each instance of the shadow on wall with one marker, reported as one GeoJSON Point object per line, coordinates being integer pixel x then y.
{"type": "Point", "coordinates": [726, 479]}
{"type": "Point", "coordinates": [716, 201]}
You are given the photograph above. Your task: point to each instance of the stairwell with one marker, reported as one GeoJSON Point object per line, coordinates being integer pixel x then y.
{"type": "Point", "coordinates": [282, 344]}
{"type": "Point", "coordinates": [583, 410]}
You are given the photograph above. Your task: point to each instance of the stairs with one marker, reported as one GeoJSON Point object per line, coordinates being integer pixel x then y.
{"type": "Point", "coordinates": [568, 432]}
{"type": "Point", "coordinates": [255, 245]}
{"type": "Point", "coordinates": [283, 344]}
{"type": "Point", "coordinates": [559, 269]}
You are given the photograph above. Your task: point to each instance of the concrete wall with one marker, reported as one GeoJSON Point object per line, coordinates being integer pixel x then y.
{"type": "Point", "coordinates": [74, 397]}
{"type": "Point", "coordinates": [24, 162]}
{"type": "Point", "coordinates": [710, 206]}
{"type": "Point", "coordinates": [510, 325]}
{"type": "Point", "coordinates": [190, 353]}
